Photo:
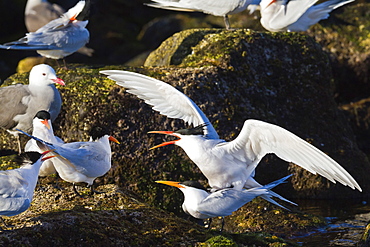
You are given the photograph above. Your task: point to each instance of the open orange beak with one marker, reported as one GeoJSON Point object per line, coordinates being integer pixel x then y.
{"type": "Point", "coordinates": [171, 183]}
{"type": "Point", "coordinates": [47, 157]}
{"type": "Point", "coordinates": [111, 138]}
{"type": "Point", "coordinates": [273, 1]}
{"type": "Point", "coordinates": [165, 143]}
{"type": "Point", "coordinates": [46, 123]}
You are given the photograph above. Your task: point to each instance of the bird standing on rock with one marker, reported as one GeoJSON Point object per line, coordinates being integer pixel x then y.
{"type": "Point", "coordinates": [227, 164]}
{"type": "Point", "coordinates": [17, 185]}
{"type": "Point", "coordinates": [38, 13]}
{"type": "Point", "coordinates": [43, 129]}
{"type": "Point", "coordinates": [213, 7]}
{"type": "Point", "coordinates": [78, 162]}
{"type": "Point", "coordinates": [60, 37]}
{"type": "Point", "coordinates": [201, 204]}
{"type": "Point", "coordinates": [20, 103]}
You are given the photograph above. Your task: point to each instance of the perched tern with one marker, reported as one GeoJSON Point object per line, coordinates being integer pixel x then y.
{"type": "Point", "coordinates": [43, 129]}
{"type": "Point", "coordinates": [227, 164]}
{"type": "Point", "coordinates": [38, 13]}
{"type": "Point", "coordinates": [201, 204]}
{"type": "Point", "coordinates": [213, 7]}
{"type": "Point", "coordinates": [20, 103]}
{"type": "Point", "coordinates": [17, 185]}
{"type": "Point", "coordinates": [295, 15]}
{"type": "Point", "coordinates": [59, 38]}
{"type": "Point", "coordinates": [78, 162]}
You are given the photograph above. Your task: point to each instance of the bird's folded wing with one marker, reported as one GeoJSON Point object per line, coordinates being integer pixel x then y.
{"type": "Point", "coordinates": [225, 202]}
{"type": "Point", "coordinates": [258, 138]}
{"type": "Point", "coordinates": [163, 97]}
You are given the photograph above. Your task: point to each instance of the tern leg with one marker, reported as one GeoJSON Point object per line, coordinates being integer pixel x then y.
{"type": "Point", "coordinates": [19, 144]}
{"type": "Point", "coordinates": [76, 192]}
{"type": "Point", "coordinates": [92, 191]}
{"type": "Point", "coordinates": [227, 22]}
{"type": "Point", "coordinates": [222, 224]}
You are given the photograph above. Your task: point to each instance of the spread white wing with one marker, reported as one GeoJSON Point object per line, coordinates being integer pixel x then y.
{"type": "Point", "coordinates": [258, 138]}
{"type": "Point", "coordinates": [163, 97]}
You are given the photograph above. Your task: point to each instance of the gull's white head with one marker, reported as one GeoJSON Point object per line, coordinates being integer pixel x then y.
{"type": "Point", "coordinates": [43, 74]}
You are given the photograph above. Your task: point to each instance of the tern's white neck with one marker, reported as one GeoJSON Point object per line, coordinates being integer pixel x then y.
{"type": "Point", "coordinates": [193, 197]}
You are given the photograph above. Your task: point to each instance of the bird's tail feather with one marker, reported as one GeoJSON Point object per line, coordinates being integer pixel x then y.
{"type": "Point", "coordinates": [268, 196]}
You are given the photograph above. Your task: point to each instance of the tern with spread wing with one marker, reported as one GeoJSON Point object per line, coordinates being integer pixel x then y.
{"type": "Point", "coordinates": [59, 38]}
{"type": "Point", "coordinates": [201, 204]}
{"type": "Point", "coordinates": [227, 164]}
{"type": "Point", "coordinates": [295, 15]}
{"type": "Point", "coordinates": [17, 185]}
{"type": "Point", "coordinates": [43, 129]}
{"type": "Point", "coordinates": [78, 162]}
{"type": "Point", "coordinates": [213, 7]}
{"type": "Point", "coordinates": [20, 103]}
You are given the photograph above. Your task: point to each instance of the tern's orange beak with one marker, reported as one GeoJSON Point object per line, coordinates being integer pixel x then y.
{"type": "Point", "coordinates": [111, 138]}
{"type": "Point", "coordinates": [171, 183]}
{"type": "Point", "coordinates": [46, 123]}
{"type": "Point", "coordinates": [164, 143]}
{"type": "Point", "coordinates": [273, 1]}
{"type": "Point", "coordinates": [47, 157]}
{"type": "Point", "coordinates": [59, 81]}
{"type": "Point", "coordinates": [73, 18]}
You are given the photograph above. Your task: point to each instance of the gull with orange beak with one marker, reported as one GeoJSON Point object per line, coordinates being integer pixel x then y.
{"type": "Point", "coordinates": [297, 15]}
{"type": "Point", "coordinates": [60, 37]}
{"type": "Point", "coordinates": [78, 162]}
{"type": "Point", "coordinates": [228, 164]}
{"type": "Point", "coordinates": [43, 129]}
{"type": "Point", "coordinates": [17, 185]}
{"type": "Point", "coordinates": [201, 204]}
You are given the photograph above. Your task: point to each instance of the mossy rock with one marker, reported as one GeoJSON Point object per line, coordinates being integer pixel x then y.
{"type": "Point", "coordinates": [346, 38]}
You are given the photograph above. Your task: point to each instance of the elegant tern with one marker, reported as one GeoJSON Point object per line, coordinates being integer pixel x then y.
{"type": "Point", "coordinates": [20, 103]}
{"type": "Point", "coordinates": [17, 185]}
{"type": "Point", "coordinates": [59, 38]}
{"type": "Point", "coordinates": [201, 204]}
{"type": "Point", "coordinates": [78, 162]}
{"type": "Point", "coordinates": [43, 129]}
{"type": "Point", "coordinates": [227, 164]}
{"type": "Point", "coordinates": [213, 7]}
{"type": "Point", "coordinates": [40, 12]}
{"type": "Point", "coordinates": [295, 15]}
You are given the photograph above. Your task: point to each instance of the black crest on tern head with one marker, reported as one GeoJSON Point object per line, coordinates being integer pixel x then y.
{"type": "Point", "coordinates": [97, 132]}
{"type": "Point", "coordinates": [198, 130]}
{"type": "Point", "coordinates": [31, 157]}
{"type": "Point", "coordinates": [194, 184]}
{"type": "Point", "coordinates": [43, 115]}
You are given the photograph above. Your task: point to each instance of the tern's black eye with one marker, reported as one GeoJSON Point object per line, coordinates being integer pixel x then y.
{"type": "Point", "coordinates": [44, 74]}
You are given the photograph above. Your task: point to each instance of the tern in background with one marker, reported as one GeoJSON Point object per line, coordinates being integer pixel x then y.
{"type": "Point", "coordinates": [78, 162]}
{"type": "Point", "coordinates": [38, 13]}
{"type": "Point", "coordinates": [213, 7]}
{"type": "Point", "coordinates": [20, 103]}
{"type": "Point", "coordinates": [43, 129]}
{"type": "Point", "coordinates": [295, 15]}
{"type": "Point", "coordinates": [17, 185]}
{"type": "Point", "coordinates": [227, 164]}
{"type": "Point", "coordinates": [201, 204]}
{"type": "Point", "coordinates": [60, 37]}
